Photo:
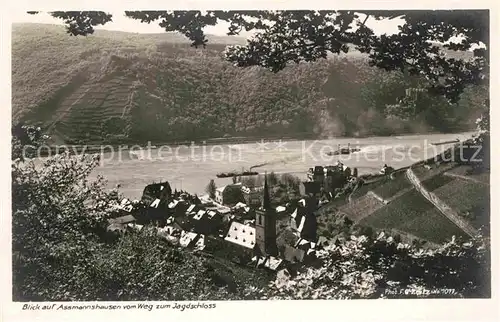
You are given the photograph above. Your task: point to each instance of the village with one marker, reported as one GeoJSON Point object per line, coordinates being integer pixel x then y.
{"type": "Point", "coordinates": [241, 223]}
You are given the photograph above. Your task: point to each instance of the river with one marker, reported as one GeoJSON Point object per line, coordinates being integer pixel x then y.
{"type": "Point", "coordinates": [190, 168]}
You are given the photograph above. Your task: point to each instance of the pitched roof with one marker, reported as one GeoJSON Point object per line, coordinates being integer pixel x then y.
{"type": "Point", "coordinates": [211, 214]}
{"type": "Point", "coordinates": [229, 186]}
{"type": "Point", "coordinates": [239, 205]}
{"type": "Point", "coordinates": [125, 205]}
{"type": "Point", "coordinates": [280, 209]}
{"type": "Point", "coordinates": [135, 226]}
{"type": "Point", "coordinates": [173, 204]}
{"type": "Point", "coordinates": [301, 224]}
{"type": "Point", "coordinates": [199, 215]}
{"type": "Point", "coordinates": [187, 238]}
{"type": "Point", "coordinates": [270, 262]}
{"type": "Point", "coordinates": [200, 243]}
{"type": "Point", "coordinates": [155, 203]}
{"type": "Point", "coordinates": [190, 208]}
{"type": "Point", "coordinates": [240, 234]}
{"type": "Point", "coordinates": [306, 245]}
{"type": "Point", "coordinates": [156, 190]}
{"type": "Point", "coordinates": [273, 263]}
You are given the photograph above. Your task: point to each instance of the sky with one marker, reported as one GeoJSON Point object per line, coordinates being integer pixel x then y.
{"type": "Point", "coordinates": [122, 23]}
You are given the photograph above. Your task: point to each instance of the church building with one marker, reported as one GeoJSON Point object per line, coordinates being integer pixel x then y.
{"type": "Point", "coordinates": [260, 240]}
{"type": "Point", "coordinates": [265, 227]}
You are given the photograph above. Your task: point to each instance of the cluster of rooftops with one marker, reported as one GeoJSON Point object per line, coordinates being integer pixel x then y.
{"type": "Point", "coordinates": [196, 223]}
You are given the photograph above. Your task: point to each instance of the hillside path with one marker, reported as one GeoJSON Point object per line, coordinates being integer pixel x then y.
{"type": "Point", "coordinates": [440, 205]}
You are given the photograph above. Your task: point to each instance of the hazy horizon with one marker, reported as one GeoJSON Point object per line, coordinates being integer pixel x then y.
{"type": "Point", "coordinates": [122, 23]}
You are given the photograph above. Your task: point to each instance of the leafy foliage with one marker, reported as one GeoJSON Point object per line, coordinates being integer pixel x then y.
{"type": "Point", "coordinates": [61, 251]}
{"type": "Point", "coordinates": [57, 218]}
{"type": "Point", "coordinates": [211, 188]}
{"type": "Point", "coordinates": [81, 23]}
{"type": "Point", "coordinates": [379, 268]}
{"type": "Point", "coordinates": [26, 139]}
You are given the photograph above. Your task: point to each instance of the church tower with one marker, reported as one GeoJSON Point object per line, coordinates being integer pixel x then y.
{"type": "Point", "coordinates": [265, 226]}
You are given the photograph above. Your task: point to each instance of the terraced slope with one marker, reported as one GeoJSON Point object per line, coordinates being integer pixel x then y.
{"type": "Point", "coordinates": [361, 207]}
{"type": "Point", "coordinates": [470, 199]}
{"type": "Point", "coordinates": [412, 213]}
{"type": "Point", "coordinates": [115, 87]}
{"type": "Point", "coordinates": [464, 172]}
{"type": "Point", "coordinates": [436, 182]}
{"type": "Point", "coordinates": [405, 211]}
{"type": "Point", "coordinates": [392, 187]}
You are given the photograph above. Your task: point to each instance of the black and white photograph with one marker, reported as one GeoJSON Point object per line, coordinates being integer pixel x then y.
{"type": "Point", "coordinates": [200, 156]}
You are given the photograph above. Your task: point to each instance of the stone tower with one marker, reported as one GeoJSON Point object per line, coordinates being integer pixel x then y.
{"type": "Point", "coordinates": [265, 226]}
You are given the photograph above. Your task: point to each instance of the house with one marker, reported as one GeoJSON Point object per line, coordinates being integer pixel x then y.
{"type": "Point", "coordinates": [173, 204]}
{"type": "Point", "coordinates": [252, 196]}
{"type": "Point", "coordinates": [241, 205]}
{"type": "Point", "coordinates": [303, 220]}
{"type": "Point", "coordinates": [161, 191]}
{"type": "Point", "coordinates": [260, 240]}
{"type": "Point", "coordinates": [242, 235]}
{"type": "Point", "coordinates": [191, 240]}
{"type": "Point", "coordinates": [170, 233]}
{"type": "Point", "coordinates": [326, 178]}
{"type": "Point", "coordinates": [271, 263]}
{"type": "Point", "coordinates": [191, 211]}
{"type": "Point", "coordinates": [178, 207]}
{"type": "Point", "coordinates": [318, 174]}
{"type": "Point", "coordinates": [206, 222]}
{"type": "Point", "coordinates": [200, 215]}
{"type": "Point", "coordinates": [214, 219]}
{"type": "Point", "coordinates": [125, 206]}
{"type": "Point", "coordinates": [157, 211]}
{"type": "Point", "coordinates": [229, 195]}
{"type": "Point", "coordinates": [307, 188]}
{"type": "Point", "coordinates": [242, 211]}
{"type": "Point", "coordinates": [280, 209]}
{"type": "Point", "coordinates": [336, 177]}
{"type": "Point", "coordinates": [386, 169]}
{"type": "Point", "coordinates": [306, 245]}
{"type": "Point", "coordinates": [135, 226]}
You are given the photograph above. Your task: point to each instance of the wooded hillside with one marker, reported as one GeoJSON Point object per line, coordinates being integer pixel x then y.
{"type": "Point", "coordinates": [117, 87]}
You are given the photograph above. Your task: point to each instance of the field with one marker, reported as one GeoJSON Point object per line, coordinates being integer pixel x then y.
{"type": "Point", "coordinates": [362, 190]}
{"type": "Point", "coordinates": [467, 196]}
{"type": "Point", "coordinates": [392, 187]}
{"type": "Point", "coordinates": [465, 171]}
{"type": "Point", "coordinates": [361, 207]}
{"type": "Point", "coordinates": [412, 213]}
{"type": "Point", "coordinates": [436, 182]}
